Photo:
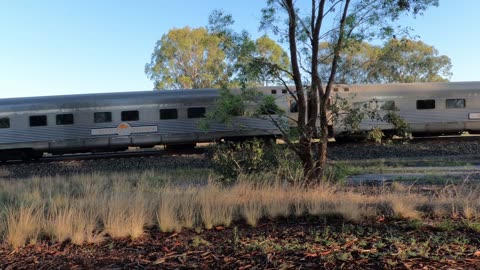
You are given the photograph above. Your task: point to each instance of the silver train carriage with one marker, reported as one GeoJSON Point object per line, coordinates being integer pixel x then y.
{"type": "Point", "coordinates": [114, 121]}
{"type": "Point", "coordinates": [429, 108]}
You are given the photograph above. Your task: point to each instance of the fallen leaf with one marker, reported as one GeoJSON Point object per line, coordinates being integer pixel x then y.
{"type": "Point", "coordinates": [310, 254]}
{"type": "Point", "coordinates": [381, 219]}
{"type": "Point", "coordinates": [325, 253]}
{"type": "Point", "coordinates": [245, 267]}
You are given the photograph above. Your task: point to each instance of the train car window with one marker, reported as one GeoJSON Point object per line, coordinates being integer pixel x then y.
{"type": "Point", "coordinates": [284, 91]}
{"type": "Point", "coordinates": [361, 105]}
{"type": "Point", "coordinates": [64, 119]}
{"type": "Point", "coordinates": [388, 105]}
{"type": "Point", "coordinates": [130, 116]}
{"type": "Point", "coordinates": [38, 120]}
{"type": "Point", "coordinates": [196, 112]}
{"type": "Point", "coordinates": [4, 122]}
{"type": "Point", "coordinates": [274, 91]}
{"type": "Point", "coordinates": [425, 104]}
{"type": "Point", "coordinates": [102, 117]}
{"type": "Point", "coordinates": [293, 106]}
{"type": "Point", "coordinates": [455, 103]}
{"type": "Point", "coordinates": [166, 114]}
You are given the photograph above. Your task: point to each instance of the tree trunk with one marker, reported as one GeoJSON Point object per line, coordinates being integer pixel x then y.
{"type": "Point", "coordinates": [307, 159]}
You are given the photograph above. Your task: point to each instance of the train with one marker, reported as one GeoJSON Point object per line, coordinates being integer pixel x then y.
{"type": "Point", "coordinates": [442, 108]}
{"type": "Point", "coordinates": [33, 126]}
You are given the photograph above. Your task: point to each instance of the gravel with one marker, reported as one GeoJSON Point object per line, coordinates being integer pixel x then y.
{"type": "Point", "coordinates": [109, 165]}
{"type": "Point", "coordinates": [144, 163]}
{"type": "Point", "coordinates": [404, 150]}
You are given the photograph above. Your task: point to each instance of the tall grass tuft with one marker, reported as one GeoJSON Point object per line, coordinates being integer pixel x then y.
{"type": "Point", "coordinates": [167, 212]}
{"type": "Point", "coordinates": [24, 224]}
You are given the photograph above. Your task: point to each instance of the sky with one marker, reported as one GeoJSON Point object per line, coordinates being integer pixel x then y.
{"type": "Point", "coordinates": [60, 47]}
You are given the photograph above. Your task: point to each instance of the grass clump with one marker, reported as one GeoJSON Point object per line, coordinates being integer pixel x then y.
{"type": "Point", "coordinates": [24, 224]}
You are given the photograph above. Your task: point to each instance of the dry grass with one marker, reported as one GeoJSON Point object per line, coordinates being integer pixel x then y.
{"type": "Point", "coordinates": [405, 206]}
{"type": "Point", "coordinates": [167, 213]}
{"type": "Point", "coordinates": [24, 224]}
{"type": "Point", "coordinates": [85, 208]}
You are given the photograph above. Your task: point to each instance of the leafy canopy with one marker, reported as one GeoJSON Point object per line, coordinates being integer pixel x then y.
{"type": "Point", "coordinates": [213, 57]}
{"type": "Point", "coordinates": [187, 58]}
{"type": "Point", "coordinates": [400, 61]}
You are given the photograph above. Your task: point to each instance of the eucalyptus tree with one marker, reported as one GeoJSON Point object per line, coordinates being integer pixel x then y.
{"type": "Point", "coordinates": [407, 61]}
{"type": "Point", "coordinates": [396, 61]}
{"type": "Point", "coordinates": [188, 58]}
{"type": "Point", "coordinates": [303, 26]}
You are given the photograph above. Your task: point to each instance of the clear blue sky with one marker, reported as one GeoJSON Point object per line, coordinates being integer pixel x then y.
{"type": "Point", "coordinates": [56, 47]}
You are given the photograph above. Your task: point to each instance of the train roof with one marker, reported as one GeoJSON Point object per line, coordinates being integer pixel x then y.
{"type": "Point", "coordinates": [108, 99]}
{"type": "Point", "coordinates": [408, 88]}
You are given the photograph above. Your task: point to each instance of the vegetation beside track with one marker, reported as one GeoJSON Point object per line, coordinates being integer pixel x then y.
{"type": "Point", "coordinates": [167, 219]}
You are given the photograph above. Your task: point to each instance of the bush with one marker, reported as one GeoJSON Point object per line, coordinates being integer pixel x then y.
{"type": "Point", "coordinates": [401, 127]}
{"type": "Point", "coordinates": [230, 159]}
{"type": "Point", "coordinates": [376, 135]}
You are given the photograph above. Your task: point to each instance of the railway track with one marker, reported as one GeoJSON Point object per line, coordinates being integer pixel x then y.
{"type": "Point", "coordinates": [109, 155]}
{"type": "Point", "coordinates": [201, 150]}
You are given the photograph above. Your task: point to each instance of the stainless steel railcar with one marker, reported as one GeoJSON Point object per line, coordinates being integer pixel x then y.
{"type": "Point", "coordinates": [111, 121]}
{"type": "Point", "coordinates": [429, 108]}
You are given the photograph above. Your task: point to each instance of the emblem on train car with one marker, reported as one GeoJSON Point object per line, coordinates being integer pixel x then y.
{"type": "Point", "coordinates": [124, 129]}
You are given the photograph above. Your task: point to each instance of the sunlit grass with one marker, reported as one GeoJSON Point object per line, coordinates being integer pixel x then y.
{"type": "Point", "coordinates": [87, 208]}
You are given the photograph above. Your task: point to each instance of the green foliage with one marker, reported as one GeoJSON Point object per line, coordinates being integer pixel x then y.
{"type": "Point", "coordinates": [228, 105]}
{"type": "Point", "coordinates": [230, 159]}
{"type": "Point", "coordinates": [401, 127]}
{"type": "Point", "coordinates": [402, 60]}
{"type": "Point", "coordinates": [346, 115]}
{"type": "Point", "coordinates": [268, 106]}
{"type": "Point", "coordinates": [213, 57]}
{"type": "Point", "coordinates": [411, 61]}
{"type": "Point", "coordinates": [351, 115]}
{"type": "Point", "coordinates": [187, 58]}
{"type": "Point", "coordinates": [265, 65]}
{"type": "Point", "coordinates": [376, 135]}
{"type": "Point", "coordinates": [246, 102]}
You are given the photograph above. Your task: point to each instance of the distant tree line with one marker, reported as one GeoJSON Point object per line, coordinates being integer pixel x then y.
{"type": "Point", "coordinates": [215, 57]}
{"type": "Point", "coordinates": [396, 61]}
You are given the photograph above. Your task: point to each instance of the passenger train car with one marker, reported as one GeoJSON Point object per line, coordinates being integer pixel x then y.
{"type": "Point", "coordinates": [32, 126]}
{"type": "Point", "coordinates": [429, 108]}
{"type": "Point", "coordinates": [114, 121]}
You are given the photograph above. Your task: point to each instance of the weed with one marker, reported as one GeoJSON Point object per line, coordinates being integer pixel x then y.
{"type": "Point", "coordinates": [446, 225]}
{"type": "Point", "coordinates": [414, 224]}
{"type": "Point", "coordinates": [235, 238]}
{"type": "Point", "coordinates": [198, 241]}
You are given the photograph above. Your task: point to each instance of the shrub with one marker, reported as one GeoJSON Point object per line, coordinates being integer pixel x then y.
{"type": "Point", "coordinates": [376, 135]}
{"type": "Point", "coordinates": [230, 159]}
{"type": "Point", "coordinates": [401, 127]}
